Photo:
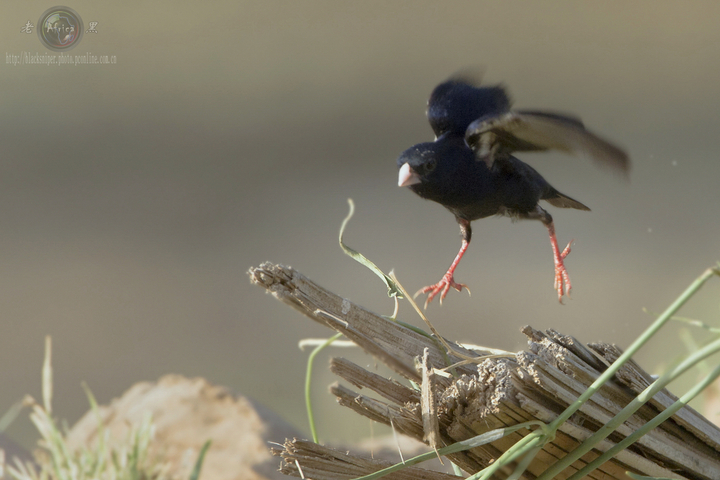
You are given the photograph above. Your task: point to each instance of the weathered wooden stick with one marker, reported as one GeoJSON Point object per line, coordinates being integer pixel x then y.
{"type": "Point", "coordinates": [322, 463]}
{"type": "Point", "coordinates": [373, 333]}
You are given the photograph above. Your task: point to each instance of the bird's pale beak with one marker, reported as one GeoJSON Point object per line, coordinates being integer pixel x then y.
{"type": "Point", "coordinates": [407, 176]}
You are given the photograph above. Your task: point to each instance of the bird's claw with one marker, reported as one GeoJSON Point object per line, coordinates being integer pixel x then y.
{"type": "Point", "coordinates": [562, 279]}
{"type": "Point", "coordinates": [442, 287]}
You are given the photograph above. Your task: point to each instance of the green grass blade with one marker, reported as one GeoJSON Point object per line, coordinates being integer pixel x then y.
{"type": "Point", "coordinates": [308, 384]}
{"type": "Point", "coordinates": [635, 476]}
{"type": "Point", "coordinates": [198, 465]}
{"type": "Point", "coordinates": [393, 290]}
{"type": "Point", "coordinates": [47, 376]}
{"type": "Point", "coordinates": [473, 442]}
{"type": "Point", "coordinates": [11, 414]}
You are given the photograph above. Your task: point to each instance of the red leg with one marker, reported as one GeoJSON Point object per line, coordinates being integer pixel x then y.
{"type": "Point", "coordinates": [447, 281]}
{"type": "Point", "coordinates": [562, 279]}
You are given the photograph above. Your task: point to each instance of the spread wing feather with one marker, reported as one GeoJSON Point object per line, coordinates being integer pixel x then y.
{"type": "Point", "coordinates": [514, 131]}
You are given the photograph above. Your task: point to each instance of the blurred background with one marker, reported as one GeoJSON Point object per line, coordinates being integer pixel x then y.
{"type": "Point", "coordinates": [135, 196]}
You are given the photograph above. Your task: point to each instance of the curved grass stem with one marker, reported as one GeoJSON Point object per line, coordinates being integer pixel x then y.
{"type": "Point", "coordinates": [308, 383]}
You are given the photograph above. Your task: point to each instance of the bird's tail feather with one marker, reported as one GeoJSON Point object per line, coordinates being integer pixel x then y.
{"type": "Point", "coordinates": [557, 199]}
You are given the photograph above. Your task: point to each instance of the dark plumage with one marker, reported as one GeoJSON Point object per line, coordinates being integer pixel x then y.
{"type": "Point", "coordinates": [470, 170]}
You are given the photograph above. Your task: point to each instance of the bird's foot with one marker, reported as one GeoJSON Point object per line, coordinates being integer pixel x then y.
{"type": "Point", "coordinates": [442, 287]}
{"type": "Point", "coordinates": [562, 279]}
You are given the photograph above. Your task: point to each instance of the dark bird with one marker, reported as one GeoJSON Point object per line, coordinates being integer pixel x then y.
{"type": "Point", "coordinates": [470, 170]}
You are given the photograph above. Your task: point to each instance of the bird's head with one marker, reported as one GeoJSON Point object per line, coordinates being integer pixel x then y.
{"type": "Point", "coordinates": [417, 165]}
{"type": "Point", "coordinates": [444, 171]}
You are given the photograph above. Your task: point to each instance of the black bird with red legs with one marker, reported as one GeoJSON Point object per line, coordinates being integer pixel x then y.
{"type": "Point", "coordinates": [470, 169]}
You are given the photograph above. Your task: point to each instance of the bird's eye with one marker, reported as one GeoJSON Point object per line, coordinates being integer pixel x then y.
{"type": "Point", "coordinates": [430, 165]}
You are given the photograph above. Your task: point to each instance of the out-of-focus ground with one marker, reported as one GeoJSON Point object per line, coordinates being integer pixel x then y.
{"type": "Point", "coordinates": [135, 196]}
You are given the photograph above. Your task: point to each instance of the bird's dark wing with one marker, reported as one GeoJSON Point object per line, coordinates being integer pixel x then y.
{"type": "Point", "coordinates": [518, 131]}
{"type": "Point", "coordinates": [455, 103]}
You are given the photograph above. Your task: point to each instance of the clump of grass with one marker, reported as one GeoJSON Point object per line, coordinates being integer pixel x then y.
{"type": "Point", "coordinates": [56, 461]}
